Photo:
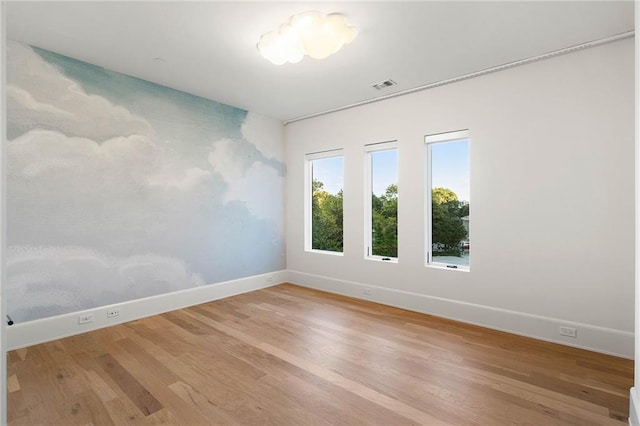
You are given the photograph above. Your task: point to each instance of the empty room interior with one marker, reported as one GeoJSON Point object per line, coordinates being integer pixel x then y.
{"type": "Point", "coordinates": [325, 213]}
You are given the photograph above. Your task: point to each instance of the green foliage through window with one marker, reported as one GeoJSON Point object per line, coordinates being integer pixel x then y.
{"type": "Point", "coordinates": [382, 238]}
{"type": "Point", "coordinates": [448, 229]}
{"type": "Point", "coordinates": [326, 221]}
{"type": "Point", "coordinates": [384, 222]}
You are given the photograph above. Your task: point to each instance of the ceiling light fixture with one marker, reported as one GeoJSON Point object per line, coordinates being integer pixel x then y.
{"type": "Point", "coordinates": [309, 33]}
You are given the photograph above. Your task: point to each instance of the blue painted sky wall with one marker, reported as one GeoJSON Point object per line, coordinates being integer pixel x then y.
{"type": "Point", "coordinates": [119, 189]}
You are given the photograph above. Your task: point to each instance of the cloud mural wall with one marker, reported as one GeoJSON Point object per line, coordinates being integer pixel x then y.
{"type": "Point", "coordinates": [119, 189]}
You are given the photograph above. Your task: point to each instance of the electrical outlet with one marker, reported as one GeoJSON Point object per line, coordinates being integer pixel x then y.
{"type": "Point", "coordinates": [269, 279]}
{"type": "Point", "coordinates": [113, 313]}
{"type": "Point", "coordinates": [84, 319]}
{"type": "Point", "coordinates": [568, 331]}
{"type": "Point", "coordinates": [366, 292]}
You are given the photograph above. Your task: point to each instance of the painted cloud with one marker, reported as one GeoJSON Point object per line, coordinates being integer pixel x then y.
{"type": "Point", "coordinates": [44, 98]}
{"type": "Point", "coordinates": [119, 189]}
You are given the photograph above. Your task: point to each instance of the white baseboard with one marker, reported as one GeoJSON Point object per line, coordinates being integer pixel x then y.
{"type": "Point", "coordinates": [47, 329]}
{"type": "Point", "coordinates": [634, 406]}
{"type": "Point", "coordinates": [599, 339]}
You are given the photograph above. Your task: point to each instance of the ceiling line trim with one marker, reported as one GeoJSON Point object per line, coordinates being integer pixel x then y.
{"type": "Point", "coordinates": [486, 71]}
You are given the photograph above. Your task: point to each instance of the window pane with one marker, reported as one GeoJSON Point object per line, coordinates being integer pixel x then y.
{"type": "Point", "coordinates": [326, 204]}
{"type": "Point", "coordinates": [384, 203]}
{"type": "Point", "coordinates": [450, 240]}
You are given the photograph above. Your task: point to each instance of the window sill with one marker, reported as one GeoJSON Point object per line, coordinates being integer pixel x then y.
{"type": "Point", "coordinates": [447, 267]}
{"type": "Point", "coordinates": [330, 253]}
{"type": "Point", "coordinates": [382, 259]}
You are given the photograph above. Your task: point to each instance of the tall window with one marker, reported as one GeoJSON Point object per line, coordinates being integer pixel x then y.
{"type": "Point", "coordinates": [323, 207]}
{"type": "Point", "coordinates": [448, 200]}
{"type": "Point", "coordinates": [381, 220]}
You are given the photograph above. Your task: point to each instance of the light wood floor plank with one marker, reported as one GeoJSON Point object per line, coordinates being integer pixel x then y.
{"type": "Point", "coordinates": [287, 355]}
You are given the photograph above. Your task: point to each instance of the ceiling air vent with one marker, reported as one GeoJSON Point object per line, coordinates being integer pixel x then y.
{"type": "Point", "coordinates": [384, 84]}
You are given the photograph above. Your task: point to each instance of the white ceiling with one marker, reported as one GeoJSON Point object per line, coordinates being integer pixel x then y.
{"type": "Point", "coordinates": [209, 48]}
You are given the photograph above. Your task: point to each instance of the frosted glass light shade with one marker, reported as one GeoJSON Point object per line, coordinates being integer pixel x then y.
{"type": "Point", "coordinates": [309, 33]}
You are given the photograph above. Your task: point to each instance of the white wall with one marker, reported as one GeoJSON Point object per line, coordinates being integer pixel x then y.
{"type": "Point", "coordinates": [552, 199]}
{"type": "Point", "coordinates": [3, 354]}
{"type": "Point", "coordinates": [634, 400]}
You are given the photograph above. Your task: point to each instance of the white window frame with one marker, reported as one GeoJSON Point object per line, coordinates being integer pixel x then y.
{"type": "Point", "coordinates": [429, 141]}
{"type": "Point", "coordinates": [308, 180]}
{"type": "Point", "coordinates": [368, 184]}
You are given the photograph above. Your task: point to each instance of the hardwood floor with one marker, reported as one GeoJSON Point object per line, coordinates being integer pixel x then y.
{"type": "Point", "coordinates": [293, 356]}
